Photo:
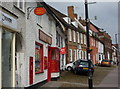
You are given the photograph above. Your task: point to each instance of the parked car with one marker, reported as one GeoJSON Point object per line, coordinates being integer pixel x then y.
{"type": "Point", "coordinates": [106, 63]}
{"type": "Point", "coordinates": [69, 66]}
{"type": "Point", "coordinates": [81, 66]}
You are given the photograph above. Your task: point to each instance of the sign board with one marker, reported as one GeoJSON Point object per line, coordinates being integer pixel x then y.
{"type": "Point", "coordinates": [8, 20]}
{"type": "Point", "coordinates": [44, 37]}
{"type": "Point", "coordinates": [63, 50]}
{"type": "Point", "coordinates": [40, 11]}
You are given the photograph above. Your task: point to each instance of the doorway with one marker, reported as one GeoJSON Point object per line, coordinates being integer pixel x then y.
{"type": "Point", "coordinates": [7, 59]}
{"type": "Point", "coordinates": [53, 61]}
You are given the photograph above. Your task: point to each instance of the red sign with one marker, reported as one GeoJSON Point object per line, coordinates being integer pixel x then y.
{"type": "Point", "coordinates": [40, 11]}
{"type": "Point", "coordinates": [63, 50]}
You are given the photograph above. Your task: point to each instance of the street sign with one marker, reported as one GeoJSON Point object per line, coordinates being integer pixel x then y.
{"type": "Point", "coordinates": [63, 50]}
{"type": "Point", "coordinates": [40, 11]}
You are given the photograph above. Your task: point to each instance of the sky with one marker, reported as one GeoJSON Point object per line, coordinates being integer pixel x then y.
{"type": "Point", "coordinates": [105, 10]}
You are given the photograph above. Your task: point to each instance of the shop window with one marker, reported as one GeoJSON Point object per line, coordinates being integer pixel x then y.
{"type": "Point", "coordinates": [38, 58]}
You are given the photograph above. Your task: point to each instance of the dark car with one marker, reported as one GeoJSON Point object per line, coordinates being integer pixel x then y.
{"type": "Point", "coordinates": [105, 63]}
{"type": "Point", "coordinates": [81, 66]}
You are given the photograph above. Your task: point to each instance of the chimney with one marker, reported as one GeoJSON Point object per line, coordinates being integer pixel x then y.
{"type": "Point", "coordinates": [71, 12]}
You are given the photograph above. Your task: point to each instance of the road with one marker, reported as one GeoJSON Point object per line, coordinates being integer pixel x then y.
{"type": "Point", "coordinates": [103, 77]}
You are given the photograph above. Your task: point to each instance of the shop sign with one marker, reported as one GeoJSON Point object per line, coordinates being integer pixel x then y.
{"type": "Point", "coordinates": [40, 11]}
{"type": "Point", "coordinates": [63, 50]}
{"type": "Point", "coordinates": [8, 20]}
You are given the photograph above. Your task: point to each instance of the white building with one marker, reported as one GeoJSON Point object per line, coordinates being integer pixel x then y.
{"type": "Point", "coordinates": [30, 47]}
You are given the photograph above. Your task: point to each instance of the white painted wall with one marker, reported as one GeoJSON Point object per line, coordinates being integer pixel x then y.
{"type": "Point", "coordinates": [32, 35]}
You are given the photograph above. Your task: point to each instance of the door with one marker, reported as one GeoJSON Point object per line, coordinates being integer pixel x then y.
{"type": "Point", "coordinates": [31, 70]}
{"type": "Point", "coordinates": [53, 61]}
{"type": "Point", "coordinates": [49, 61]}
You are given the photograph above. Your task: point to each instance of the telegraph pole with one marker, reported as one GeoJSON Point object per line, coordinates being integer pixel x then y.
{"type": "Point", "coordinates": [90, 83]}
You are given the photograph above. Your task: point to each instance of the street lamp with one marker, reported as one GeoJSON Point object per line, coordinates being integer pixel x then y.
{"type": "Point", "coordinates": [90, 83]}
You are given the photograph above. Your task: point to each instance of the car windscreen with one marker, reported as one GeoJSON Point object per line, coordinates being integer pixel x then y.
{"type": "Point", "coordinates": [84, 64]}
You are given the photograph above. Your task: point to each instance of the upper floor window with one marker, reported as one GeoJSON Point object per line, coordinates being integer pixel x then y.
{"type": "Point", "coordinates": [81, 38]}
{"type": "Point", "coordinates": [78, 37]}
{"type": "Point", "coordinates": [20, 4]}
{"type": "Point", "coordinates": [74, 36]}
{"type": "Point", "coordinates": [84, 39]}
{"type": "Point", "coordinates": [69, 35]}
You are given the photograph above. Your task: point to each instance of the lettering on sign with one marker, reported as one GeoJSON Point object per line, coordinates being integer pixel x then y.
{"type": "Point", "coordinates": [5, 18]}
{"type": "Point", "coordinates": [8, 20]}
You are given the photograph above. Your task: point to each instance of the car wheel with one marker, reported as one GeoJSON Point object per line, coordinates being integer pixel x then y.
{"type": "Point", "coordinates": [69, 68]}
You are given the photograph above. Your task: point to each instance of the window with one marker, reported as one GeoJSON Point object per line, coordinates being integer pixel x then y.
{"type": "Point", "coordinates": [78, 37]}
{"type": "Point", "coordinates": [74, 36]}
{"type": "Point", "coordinates": [81, 38]}
{"type": "Point", "coordinates": [20, 4]}
{"type": "Point", "coordinates": [58, 38]}
{"type": "Point", "coordinates": [38, 57]}
{"type": "Point", "coordinates": [74, 55]}
{"type": "Point", "coordinates": [70, 55]}
{"type": "Point", "coordinates": [69, 35]}
{"type": "Point", "coordinates": [85, 54]}
{"type": "Point", "coordinates": [80, 56]}
{"type": "Point", "coordinates": [84, 39]}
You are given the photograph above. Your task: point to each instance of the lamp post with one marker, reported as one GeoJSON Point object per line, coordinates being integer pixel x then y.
{"type": "Point", "coordinates": [90, 84]}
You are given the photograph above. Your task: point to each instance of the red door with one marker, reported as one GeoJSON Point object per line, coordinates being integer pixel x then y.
{"type": "Point", "coordinates": [31, 71]}
{"type": "Point", "coordinates": [53, 61]}
{"type": "Point", "coordinates": [49, 61]}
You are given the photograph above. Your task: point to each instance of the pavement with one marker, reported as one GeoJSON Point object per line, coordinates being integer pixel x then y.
{"type": "Point", "coordinates": [111, 80]}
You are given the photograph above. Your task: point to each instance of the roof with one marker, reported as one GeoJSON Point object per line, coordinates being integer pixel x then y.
{"type": "Point", "coordinates": [95, 26]}
{"type": "Point", "coordinates": [60, 17]}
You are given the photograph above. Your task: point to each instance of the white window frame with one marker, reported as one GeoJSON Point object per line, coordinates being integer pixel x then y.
{"type": "Point", "coordinates": [84, 39]}
{"type": "Point", "coordinates": [80, 54]}
{"type": "Point", "coordinates": [69, 35]}
{"type": "Point", "coordinates": [78, 37]}
{"type": "Point", "coordinates": [81, 38]}
{"type": "Point", "coordinates": [75, 55]}
{"type": "Point", "coordinates": [85, 55]}
{"type": "Point", "coordinates": [70, 55]}
{"type": "Point", "coordinates": [23, 4]}
{"type": "Point", "coordinates": [74, 36]}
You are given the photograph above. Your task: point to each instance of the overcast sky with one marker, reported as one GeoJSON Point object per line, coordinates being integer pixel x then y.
{"type": "Point", "coordinates": [106, 12]}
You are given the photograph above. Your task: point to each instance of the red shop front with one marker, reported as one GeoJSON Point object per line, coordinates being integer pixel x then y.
{"type": "Point", "coordinates": [53, 61]}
